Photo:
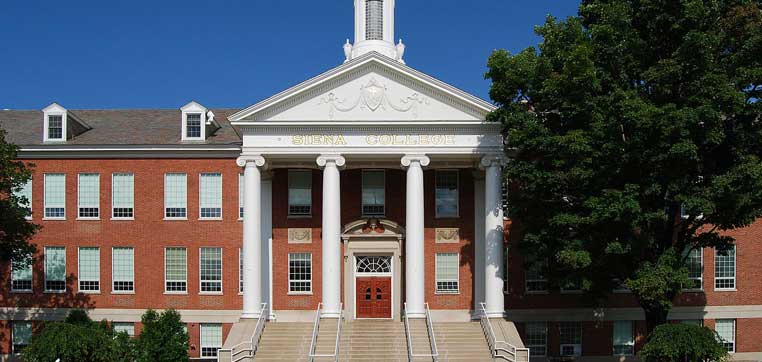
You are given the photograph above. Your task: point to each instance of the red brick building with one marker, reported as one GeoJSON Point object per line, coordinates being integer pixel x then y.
{"type": "Point", "coordinates": [370, 188]}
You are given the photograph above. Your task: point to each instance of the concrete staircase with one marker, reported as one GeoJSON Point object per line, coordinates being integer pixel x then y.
{"type": "Point", "coordinates": [461, 342]}
{"type": "Point", "coordinates": [282, 342]}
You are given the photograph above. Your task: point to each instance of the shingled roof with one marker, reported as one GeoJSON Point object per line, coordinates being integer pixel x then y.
{"type": "Point", "coordinates": [138, 127]}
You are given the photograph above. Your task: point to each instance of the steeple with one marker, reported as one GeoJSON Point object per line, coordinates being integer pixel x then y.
{"type": "Point", "coordinates": [374, 30]}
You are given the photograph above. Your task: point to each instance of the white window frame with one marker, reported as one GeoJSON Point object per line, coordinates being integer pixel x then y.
{"type": "Point", "coordinates": [113, 203]}
{"type": "Point", "coordinates": [735, 271]}
{"type": "Point", "coordinates": [55, 110]}
{"type": "Point", "coordinates": [166, 190]}
{"type": "Point", "coordinates": [30, 267]}
{"type": "Point", "coordinates": [14, 349]}
{"type": "Point", "coordinates": [438, 278]}
{"type": "Point", "coordinates": [240, 271]}
{"type": "Point", "coordinates": [167, 280]}
{"type": "Point", "coordinates": [700, 278]}
{"type": "Point", "coordinates": [540, 279]}
{"type": "Point", "coordinates": [312, 272]}
{"type": "Point", "coordinates": [128, 327]}
{"type": "Point", "coordinates": [534, 347]}
{"type": "Point", "coordinates": [45, 267]}
{"type": "Point", "coordinates": [297, 214]}
{"type": "Point", "coordinates": [193, 108]}
{"type": "Point", "coordinates": [203, 345]}
{"type": "Point", "coordinates": [97, 196]}
{"type": "Point", "coordinates": [222, 272]}
{"type": "Point", "coordinates": [725, 342]}
{"type": "Point", "coordinates": [80, 279]}
{"type": "Point", "coordinates": [629, 345]}
{"type": "Point", "coordinates": [113, 269]}
{"type": "Point", "coordinates": [45, 197]}
{"type": "Point", "coordinates": [26, 191]}
{"type": "Point", "coordinates": [201, 195]}
{"type": "Point", "coordinates": [362, 190]}
{"type": "Point", "coordinates": [457, 194]}
{"type": "Point", "coordinates": [241, 183]}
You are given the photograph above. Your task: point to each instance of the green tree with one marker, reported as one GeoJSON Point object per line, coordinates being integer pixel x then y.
{"type": "Point", "coordinates": [163, 338]}
{"type": "Point", "coordinates": [635, 133]}
{"type": "Point", "coordinates": [683, 343]}
{"type": "Point", "coordinates": [15, 229]}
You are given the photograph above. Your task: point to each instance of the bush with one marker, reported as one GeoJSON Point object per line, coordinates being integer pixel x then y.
{"type": "Point", "coordinates": [163, 338]}
{"type": "Point", "coordinates": [683, 343]}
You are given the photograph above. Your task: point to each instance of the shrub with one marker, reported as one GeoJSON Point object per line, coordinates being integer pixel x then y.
{"type": "Point", "coordinates": [683, 343]}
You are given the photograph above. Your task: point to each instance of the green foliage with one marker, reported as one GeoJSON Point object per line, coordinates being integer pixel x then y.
{"type": "Point", "coordinates": [620, 119]}
{"type": "Point", "coordinates": [15, 230]}
{"type": "Point", "coordinates": [163, 338]}
{"type": "Point", "coordinates": [683, 343]}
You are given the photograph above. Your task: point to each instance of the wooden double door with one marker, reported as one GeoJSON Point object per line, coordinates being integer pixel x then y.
{"type": "Point", "coordinates": [374, 297]}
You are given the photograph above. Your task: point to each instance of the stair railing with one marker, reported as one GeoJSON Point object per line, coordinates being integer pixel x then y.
{"type": "Point", "coordinates": [316, 329]}
{"type": "Point", "coordinates": [432, 338]}
{"type": "Point", "coordinates": [248, 349]}
{"type": "Point", "coordinates": [500, 348]}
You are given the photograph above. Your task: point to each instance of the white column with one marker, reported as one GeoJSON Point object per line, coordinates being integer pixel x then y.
{"type": "Point", "coordinates": [267, 234]}
{"type": "Point", "coordinates": [252, 235]}
{"type": "Point", "coordinates": [331, 234]}
{"type": "Point", "coordinates": [493, 250]}
{"type": "Point", "coordinates": [478, 238]}
{"type": "Point", "coordinates": [414, 255]}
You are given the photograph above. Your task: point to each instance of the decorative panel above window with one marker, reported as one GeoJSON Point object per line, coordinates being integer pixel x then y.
{"type": "Point", "coordinates": [210, 198]}
{"type": "Point", "coordinates": [88, 196]}
{"type": "Point", "coordinates": [299, 193]}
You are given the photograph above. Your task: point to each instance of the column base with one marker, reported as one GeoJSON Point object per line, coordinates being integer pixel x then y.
{"type": "Point", "coordinates": [416, 315]}
{"type": "Point", "coordinates": [496, 314]}
{"type": "Point", "coordinates": [330, 314]}
{"type": "Point", "coordinates": [251, 315]}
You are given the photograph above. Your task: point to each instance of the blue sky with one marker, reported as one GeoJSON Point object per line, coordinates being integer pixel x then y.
{"type": "Point", "coordinates": [161, 54]}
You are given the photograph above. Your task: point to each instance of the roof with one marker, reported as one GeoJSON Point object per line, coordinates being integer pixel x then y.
{"type": "Point", "coordinates": [118, 127]}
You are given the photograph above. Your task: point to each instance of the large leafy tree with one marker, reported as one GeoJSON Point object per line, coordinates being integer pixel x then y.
{"type": "Point", "coordinates": [163, 338]}
{"type": "Point", "coordinates": [15, 230]}
{"type": "Point", "coordinates": [635, 132]}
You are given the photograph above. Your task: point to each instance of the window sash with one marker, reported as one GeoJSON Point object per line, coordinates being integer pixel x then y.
{"type": "Point", "coordinates": [123, 269]}
{"type": "Point", "coordinates": [127, 327]}
{"type": "Point", "coordinates": [536, 338]}
{"type": "Point", "coordinates": [211, 339]}
{"type": "Point", "coordinates": [446, 193]}
{"type": "Point", "coordinates": [193, 125]}
{"type": "Point", "coordinates": [623, 340]}
{"type": "Point", "coordinates": [725, 269]}
{"type": "Point", "coordinates": [123, 195]}
{"type": "Point", "coordinates": [241, 184]}
{"type": "Point", "coordinates": [210, 198]}
{"type": "Point", "coordinates": [534, 278]}
{"type": "Point", "coordinates": [55, 268]}
{"type": "Point", "coordinates": [55, 127]}
{"type": "Point", "coordinates": [570, 333]}
{"type": "Point", "coordinates": [55, 195]}
{"type": "Point", "coordinates": [299, 192]}
{"type": "Point", "coordinates": [22, 334]}
{"type": "Point", "coordinates": [176, 195]}
{"type": "Point", "coordinates": [447, 269]}
{"type": "Point", "coordinates": [240, 270]}
{"type": "Point", "coordinates": [694, 261]}
{"type": "Point", "coordinates": [21, 278]}
{"type": "Point", "coordinates": [88, 195]}
{"type": "Point", "coordinates": [211, 270]}
{"type": "Point", "coordinates": [373, 192]}
{"type": "Point", "coordinates": [24, 196]}
{"type": "Point", "coordinates": [726, 331]}
{"type": "Point", "coordinates": [300, 272]}
{"type": "Point", "coordinates": [175, 270]}
{"type": "Point", "coordinates": [89, 275]}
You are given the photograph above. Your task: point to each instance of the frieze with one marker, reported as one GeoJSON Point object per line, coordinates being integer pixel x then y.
{"type": "Point", "coordinates": [300, 236]}
{"type": "Point", "coordinates": [447, 235]}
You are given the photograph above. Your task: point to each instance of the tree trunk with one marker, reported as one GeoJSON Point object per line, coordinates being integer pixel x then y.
{"type": "Point", "coordinates": [655, 316]}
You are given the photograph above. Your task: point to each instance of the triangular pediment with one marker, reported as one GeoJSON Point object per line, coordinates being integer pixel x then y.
{"type": "Point", "coordinates": [372, 88]}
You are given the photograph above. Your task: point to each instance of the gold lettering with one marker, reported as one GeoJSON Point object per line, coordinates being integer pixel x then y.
{"type": "Point", "coordinates": [450, 140]}
{"type": "Point", "coordinates": [328, 139]}
{"type": "Point", "coordinates": [398, 141]}
{"type": "Point", "coordinates": [423, 139]}
{"type": "Point", "coordinates": [371, 139]}
{"type": "Point", "coordinates": [341, 141]}
{"type": "Point", "coordinates": [297, 140]}
{"type": "Point", "coordinates": [411, 140]}
{"type": "Point", "coordinates": [385, 139]}
{"type": "Point", "coordinates": [437, 140]}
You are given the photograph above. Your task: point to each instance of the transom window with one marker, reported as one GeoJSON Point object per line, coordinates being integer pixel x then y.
{"type": "Point", "coordinates": [175, 270]}
{"type": "Point", "coordinates": [211, 270]}
{"type": "Point", "coordinates": [374, 19]}
{"type": "Point", "coordinates": [373, 193]}
{"type": "Point", "coordinates": [88, 195]}
{"type": "Point", "coordinates": [123, 270]}
{"type": "Point", "coordinates": [374, 264]}
{"type": "Point", "coordinates": [193, 125]}
{"type": "Point", "coordinates": [446, 193]}
{"type": "Point", "coordinates": [175, 196]}
{"type": "Point", "coordinates": [123, 195]}
{"type": "Point", "coordinates": [210, 201]}
{"type": "Point", "coordinates": [55, 269]}
{"type": "Point", "coordinates": [21, 276]}
{"type": "Point", "coordinates": [725, 269]}
{"type": "Point", "coordinates": [447, 265]}
{"type": "Point", "coordinates": [89, 270]}
{"type": "Point", "coordinates": [300, 273]}
{"type": "Point", "coordinates": [211, 339]}
{"type": "Point", "coordinates": [299, 193]}
{"type": "Point", "coordinates": [55, 196]}
{"type": "Point", "coordinates": [624, 341]}
{"type": "Point", "coordinates": [726, 330]}
{"type": "Point", "coordinates": [571, 338]}
{"type": "Point", "coordinates": [55, 127]}
{"type": "Point", "coordinates": [536, 338]}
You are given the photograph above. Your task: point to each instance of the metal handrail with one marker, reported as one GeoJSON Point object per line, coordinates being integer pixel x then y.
{"type": "Point", "coordinates": [250, 347]}
{"type": "Point", "coordinates": [316, 328]}
{"type": "Point", "coordinates": [429, 329]}
{"type": "Point", "coordinates": [496, 346]}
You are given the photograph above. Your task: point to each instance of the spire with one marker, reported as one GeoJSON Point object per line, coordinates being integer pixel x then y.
{"type": "Point", "coordinates": [374, 30]}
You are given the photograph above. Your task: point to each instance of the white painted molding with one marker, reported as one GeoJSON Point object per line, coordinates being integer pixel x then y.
{"type": "Point", "coordinates": [258, 160]}
{"type": "Point", "coordinates": [193, 107]}
{"type": "Point", "coordinates": [422, 159]}
{"type": "Point", "coordinates": [495, 159]}
{"type": "Point", "coordinates": [323, 160]}
{"type": "Point", "coordinates": [55, 109]}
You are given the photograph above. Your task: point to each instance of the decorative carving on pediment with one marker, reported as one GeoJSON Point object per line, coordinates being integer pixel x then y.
{"type": "Point", "coordinates": [300, 236]}
{"type": "Point", "coordinates": [373, 96]}
{"type": "Point", "coordinates": [447, 235]}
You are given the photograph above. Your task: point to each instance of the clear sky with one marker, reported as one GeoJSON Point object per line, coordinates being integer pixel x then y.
{"type": "Point", "coordinates": [164, 53]}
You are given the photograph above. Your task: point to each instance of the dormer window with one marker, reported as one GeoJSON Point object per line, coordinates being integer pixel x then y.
{"type": "Point", "coordinates": [197, 122]}
{"type": "Point", "coordinates": [55, 127]}
{"type": "Point", "coordinates": [193, 125]}
{"type": "Point", "coordinates": [55, 119]}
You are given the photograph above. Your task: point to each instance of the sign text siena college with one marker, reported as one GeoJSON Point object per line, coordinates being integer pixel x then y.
{"type": "Point", "coordinates": [375, 139]}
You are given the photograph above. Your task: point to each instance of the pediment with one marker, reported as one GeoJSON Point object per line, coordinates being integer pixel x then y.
{"type": "Point", "coordinates": [371, 89]}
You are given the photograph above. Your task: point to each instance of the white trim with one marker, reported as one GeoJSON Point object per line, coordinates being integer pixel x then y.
{"type": "Point", "coordinates": [312, 274]}
{"type": "Point", "coordinates": [222, 271]}
{"type": "Point", "coordinates": [79, 270]}
{"type": "Point", "coordinates": [45, 269]}
{"type": "Point", "coordinates": [45, 199]}
{"type": "Point", "coordinates": [113, 278]}
{"type": "Point", "coordinates": [175, 292]}
{"type": "Point", "coordinates": [222, 197]}
{"type": "Point", "coordinates": [735, 272]}
{"type": "Point", "coordinates": [54, 110]}
{"type": "Point", "coordinates": [436, 276]}
{"type": "Point", "coordinates": [390, 275]}
{"type": "Point", "coordinates": [79, 194]}
{"type": "Point", "coordinates": [193, 108]}
{"type": "Point", "coordinates": [112, 197]}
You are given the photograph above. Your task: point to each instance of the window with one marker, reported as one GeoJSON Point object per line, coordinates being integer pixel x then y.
{"type": "Point", "coordinates": [175, 196]}
{"type": "Point", "coordinates": [535, 279]}
{"type": "Point", "coordinates": [175, 270]}
{"type": "Point", "coordinates": [55, 127]}
{"type": "Point", "coordinates": [373, 193]}
{"type": "Point", "coordinates": [299, 193]}
{"type": "Point", "coordinates": [446, 193]}
{"type": "Point", "coordinates": [89, 270]}
{"type": "Point", "coordinates": [624, 341]}
{"type": "Point", "coordinates": [447, 272]}
{"type": "Point", "coordinates": [240, 271]}
{"type": "Point", "coordinates": [693, 322]}
{"type": "Point", "coordinates": [22, 333]}
{"type": "Point", "coordinates": [240, 196]}
{"type": "Point", "coordinates": [123, 270]}
{"type": "Point", "coordinates": [124, 327]}
{"type": "Point", "coordinates": [537, 338]}
{"type": "Point", "coordinates": [726, 330]}
{"type": "Point", "coordinates": [21, 277]}
{"type": "Point", "coordinates": [24, 196]}
{"type": "Point", "coordinates": [211, 270]}
{"type": "Point", "coordinates": [55, 269]}
{"type": "Point", "coordinates": [123, 196]}
{"type": "Point", "coordinates": [571, 338]}
{"type": "Point", "coordinates": [374, 19]}
{"type": "Point", "coordinates": [725, 269]}
{"type": "Point", "coordinates": [211, 339]}
{"type": "Point", "coordinates": [193, 125]}
{"type": "Point", "coordinates": [88, 198]}
{"type": "Point", "coordinates": [694, 260]}
{"type": "Point", "coordinates": [55, 196]}
{"type": "Point", "coordinates": [210, 199]}
{"type": "Point", "coordinates": [300, 273]}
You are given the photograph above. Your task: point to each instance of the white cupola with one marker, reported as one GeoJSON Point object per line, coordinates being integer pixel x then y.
{"type": "Point", "coordinates": [374, 30]}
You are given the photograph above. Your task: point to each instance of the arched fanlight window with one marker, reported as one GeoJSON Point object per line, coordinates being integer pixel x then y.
{"type": "Point", "coordinates": [374, 19]}
{"type": "Point", "coordinates": [374, 264]}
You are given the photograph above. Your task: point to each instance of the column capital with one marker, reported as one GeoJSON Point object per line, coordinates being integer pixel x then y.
{"type": "Point", "coordinates": [493, 159]}
{"type": "Point", "coordinates": [336, 158]}
{"type": "Point", "coordinates": [257, 160]}
{"type": "Point", "coordinates": [422, 159]}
